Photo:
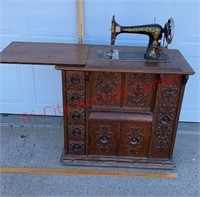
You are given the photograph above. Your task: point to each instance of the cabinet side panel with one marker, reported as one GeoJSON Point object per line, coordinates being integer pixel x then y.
{"type": "Point", "coordinates": [165, 113]}
{"type": "Point", "coordinates": [65, 112]}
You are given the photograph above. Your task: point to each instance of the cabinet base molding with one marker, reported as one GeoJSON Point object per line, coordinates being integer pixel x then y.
{"type": "Point", "coordinates": [111, 161]}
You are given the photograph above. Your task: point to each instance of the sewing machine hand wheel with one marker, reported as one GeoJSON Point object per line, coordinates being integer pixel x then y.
{"type": "Point", "coordinates": [169, 30]}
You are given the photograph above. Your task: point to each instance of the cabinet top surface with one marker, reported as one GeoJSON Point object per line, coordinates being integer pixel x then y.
{"type": "Point", "coordinates": [84, 57]}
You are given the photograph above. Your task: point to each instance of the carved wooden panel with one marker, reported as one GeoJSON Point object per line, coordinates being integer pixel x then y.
{"type": "Point", "coordinates": [75, 80]}
{"type": "Point", "coordinates": [103, 137]}
{"type": "Point", "coordinates": [167, 103]}
{"type": "Point", "coordinates": [134, 139]}
{"type": "Point", "coordinates": [76, 98]}
{"type": "Point", "coordinates": [105, 89]}
{"type": "Point", "coordinates": [76, 148]}
{"type": "Point", "coordinates": [76, 132]}
{"type": "Point", "coordinates": [139, 91]}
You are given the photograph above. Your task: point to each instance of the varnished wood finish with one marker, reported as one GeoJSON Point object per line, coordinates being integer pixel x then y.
{"type": "Point", "coordinates": [84, 58]}
{"type": "Point", "coordinates": [166, 106]}
{"type": "Point", "coordinates": [103, 137]}
{"type": "Point", "coordinates": [139, 91]}
{"type": "Point", "coordinates": [134, 139]}
{"type": "Point", "coordinates": [45, 53]}
{"type": "Point", "coordinates": [116, 113]}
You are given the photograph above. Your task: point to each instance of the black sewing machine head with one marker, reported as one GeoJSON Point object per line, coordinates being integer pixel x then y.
{"type": "Point", "coordinates": [154, 31]}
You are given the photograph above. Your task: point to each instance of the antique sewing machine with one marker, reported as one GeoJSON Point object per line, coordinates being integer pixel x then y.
{"type": "Point", "coordinates": [154, 50]}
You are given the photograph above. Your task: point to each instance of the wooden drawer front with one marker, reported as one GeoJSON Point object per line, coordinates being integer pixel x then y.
{"type": "Point", "coordinates": [76, 98]}
{"type": "Point", "coordinates": [103, 137]}
{"type": "Point", "coordinates": [105, 89]}
{"type": "Point", "coordinates": [76, 132]}
{"type": "Point", "coordinates": [75, 80]}
{"type": "Point", "coordinates": [139, 91]}
{"type": "Point", "coordinates": [76, 115]}
{"type": "Point", "coordinates": [76, 148]}
{"type": "Point", "coordinates": [134, 139]}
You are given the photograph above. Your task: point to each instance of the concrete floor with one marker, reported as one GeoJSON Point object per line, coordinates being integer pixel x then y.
{"type": "Point", "coordinates": [38, 143]}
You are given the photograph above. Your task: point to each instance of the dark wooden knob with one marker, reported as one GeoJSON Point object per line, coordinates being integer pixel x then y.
{"type": "Point", "coordinates": [76, 132]}
{"type": "Point", "coordinates": [76, 116]}
{"type": "Point", "coordinates": [75, 80]}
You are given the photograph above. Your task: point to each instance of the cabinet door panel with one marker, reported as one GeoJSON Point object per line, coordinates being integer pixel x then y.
{"type": "Point", "coordinates": [139, 91]}
{"type": "Point", "coordinates": [134, 139]}
{"type": "Point", "coordinates": [103, 137]}
{"type": "Point", "coordinates": [105, 89]}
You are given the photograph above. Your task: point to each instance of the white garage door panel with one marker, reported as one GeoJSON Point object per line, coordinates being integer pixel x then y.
{"type": "Point", "coordinates": [37, 90]}
{"type": "Point", "coordinates": [48, 83]}
{"type": "Point", "coordinates": [13, 83]}
{"type": "Point", "coordinates": [52, 20]}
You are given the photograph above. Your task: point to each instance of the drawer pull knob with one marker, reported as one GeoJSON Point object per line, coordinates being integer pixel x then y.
{"type": "Point", "coordinates": [75, 80]}
{"type": "Point", "coordinates": [165, 120]}
{"type": "Point", "coordinates": [104, 140]}
{"type": "Point", "coordinates": [75, 99]}
{"type": "Point", "coordinates": [76, 116]}
{"type": "Point", "coordinates": [76, 148]}
{"type": "Point", "coordinates": [76, 132]}
{"type": "Point", "coordinates": [134, 141]}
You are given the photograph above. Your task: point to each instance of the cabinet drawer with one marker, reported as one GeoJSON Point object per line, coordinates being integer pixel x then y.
{"type": "Point", "coordinates": [76, 98]}
{"type": "Point", "coordinates": [75, 80]}
{"type": "Point", "coordinates": [76, 148]}
{"type": "Point", "coordinates": [134, 139]}
{"type": "Point", "coordinates": [103, 137]}
{"type": "Point", "coordinates": [76, 132]}
{"type": "Point", "coordinates": [76, 115]}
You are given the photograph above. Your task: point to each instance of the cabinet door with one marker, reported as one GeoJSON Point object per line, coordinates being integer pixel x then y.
{"type": "Point", "coordinates": [103, 137]}
{"type": "Point", "coordinates": [105, 90]}
{"type": "Point", "coordinates": [139, 91]}
{"type": "Point", "coordinates": [134, 139]}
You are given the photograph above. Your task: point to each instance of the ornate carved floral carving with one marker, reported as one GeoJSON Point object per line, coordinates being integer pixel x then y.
{"type": "Point", "coordinates": [106, 88]}
{"type": "Point", "coordinates": [166, 115]}
{"type": "Point", "coordinates": [134, 140]}
{"type": "Point", "coordinates": [104, 138]}
{"type": "Point", "coordinates": [137, 95]}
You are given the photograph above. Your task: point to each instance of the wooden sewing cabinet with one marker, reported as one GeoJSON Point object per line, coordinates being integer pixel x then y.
{"type": "Point", "coordinates": [116, 113]}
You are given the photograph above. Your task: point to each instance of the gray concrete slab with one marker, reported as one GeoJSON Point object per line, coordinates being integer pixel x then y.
{"type": "Point", "coordinates": [42, 147]}
{"type": "Point", "coordinates": [30, 120]}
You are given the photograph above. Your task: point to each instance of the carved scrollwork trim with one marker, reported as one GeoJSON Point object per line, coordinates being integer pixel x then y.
{"type": "Point", "coordinates": [134, 140]}
{"type": "Point", "coordinates": [166, 115]}
{"type": "Point", "coordinates": [137, 96]}
{"type": "Point", "coordinates": [104, 138]}
{"type": "Point", "coordinates": [106, 88]}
